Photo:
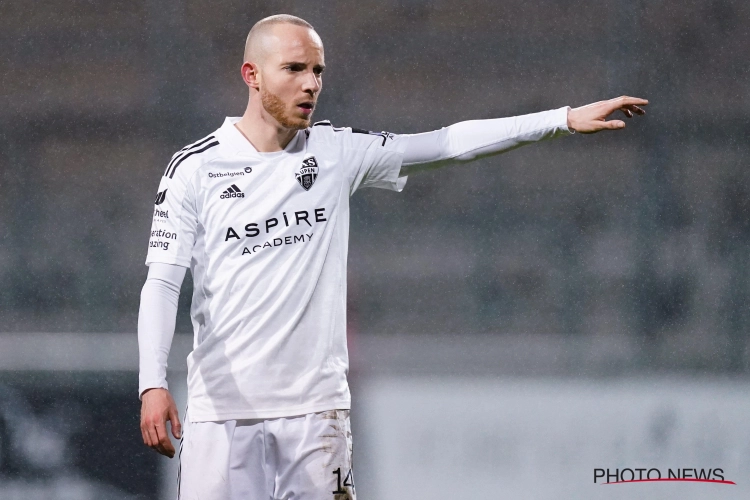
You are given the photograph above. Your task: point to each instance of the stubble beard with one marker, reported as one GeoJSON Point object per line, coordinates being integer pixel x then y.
{"type": "Point", "coordinates": [276, 107]}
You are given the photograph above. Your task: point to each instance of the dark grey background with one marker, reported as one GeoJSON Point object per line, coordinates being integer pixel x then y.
{"type": "Point", "coordinates": [639, 233]}
{"type": "Point", "coordinates": [635, 238]}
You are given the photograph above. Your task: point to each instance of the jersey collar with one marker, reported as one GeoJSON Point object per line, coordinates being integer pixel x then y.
{"type": "Point", "coordinates": [236, 143]}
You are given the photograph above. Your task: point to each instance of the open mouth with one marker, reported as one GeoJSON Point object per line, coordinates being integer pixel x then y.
{"type": "Point", "coordinates": [306, 107]}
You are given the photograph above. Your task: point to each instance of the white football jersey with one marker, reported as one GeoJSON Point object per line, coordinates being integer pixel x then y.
{"type": "Point", "coordinates": [266, 238]}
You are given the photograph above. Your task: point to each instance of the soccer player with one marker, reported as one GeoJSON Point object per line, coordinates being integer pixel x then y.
{"type": "Point", "coordinates": [259, 212]}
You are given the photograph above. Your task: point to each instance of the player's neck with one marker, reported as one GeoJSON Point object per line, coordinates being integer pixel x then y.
{"type": "Point", "coordinates": [263, 131]}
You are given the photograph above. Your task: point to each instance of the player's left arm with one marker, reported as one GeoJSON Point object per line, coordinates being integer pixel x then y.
{"type": "Point", "coordinates": [470, 140]}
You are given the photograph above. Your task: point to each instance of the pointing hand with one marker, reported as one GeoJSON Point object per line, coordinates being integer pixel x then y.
{"type": "Point", "coordinates": [591, 117]}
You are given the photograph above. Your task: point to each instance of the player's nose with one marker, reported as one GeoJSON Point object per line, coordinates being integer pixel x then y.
{"type": "Point", "coordinates": [311, 83]}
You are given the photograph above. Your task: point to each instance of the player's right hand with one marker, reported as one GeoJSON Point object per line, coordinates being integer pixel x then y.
{"type": "Point", "coordinates": [157, 406]}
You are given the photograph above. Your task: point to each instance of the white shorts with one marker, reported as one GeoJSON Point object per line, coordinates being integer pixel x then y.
{"type": "Point", "coordinates": [308, 457]}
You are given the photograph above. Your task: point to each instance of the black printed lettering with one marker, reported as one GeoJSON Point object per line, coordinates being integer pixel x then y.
{"type": "Point", "coordinates": [252, 230]}
{"type": "Point", "coordinates": [231, 234]}
{"type": "Point", "coordinates": [299, 217]}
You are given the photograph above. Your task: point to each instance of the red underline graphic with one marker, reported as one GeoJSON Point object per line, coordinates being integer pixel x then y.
{"type": "Point", "coordinates": [674, 479]}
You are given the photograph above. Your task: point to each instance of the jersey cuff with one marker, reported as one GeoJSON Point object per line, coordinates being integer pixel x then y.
{"type": "Point", "coordinates": [393, 179]}
{"type": "Point", "coordinates": [563, 120]}
{"type": "Point", "coordinates": [166, 260]}
{"type": "Point", "coordinates": [155, 385]}
{"type": "Point", "coordinates": [400, 182]}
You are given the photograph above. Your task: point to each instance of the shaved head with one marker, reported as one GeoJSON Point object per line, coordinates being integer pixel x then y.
{"type": "Point", "coordinates": [283, 68]}
{"type": "Point", "coordinates": [258, 42]}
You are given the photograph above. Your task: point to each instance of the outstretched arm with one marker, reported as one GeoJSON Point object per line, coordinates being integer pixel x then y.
{"type": "Point", "coordinates": [470, 140]}
{"type": "Point", "coordinates": [156, 323]}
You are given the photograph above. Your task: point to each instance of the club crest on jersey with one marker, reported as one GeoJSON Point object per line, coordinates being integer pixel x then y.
{"type": "Point", "coordinates": [308, 172]}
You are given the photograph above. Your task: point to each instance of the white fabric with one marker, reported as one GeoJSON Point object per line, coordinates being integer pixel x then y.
{"type": "Point", "coordinates": [268, 265]}
{"type": "Point", "coordinates": [296, 458]}
{"type": "Point", "coordinates": [241, 337]}
{"type": "Point", "coordinates": [156, 321]}
{"type": "Point", "coordinates": [470, 140]}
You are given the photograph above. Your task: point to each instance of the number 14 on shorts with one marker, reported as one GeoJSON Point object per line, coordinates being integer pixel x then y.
{"type": "Point", "coordinates": [348, 481]}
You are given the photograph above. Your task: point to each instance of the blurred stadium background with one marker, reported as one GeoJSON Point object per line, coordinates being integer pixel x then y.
{"type": "Point", "coordinates": [514, 323]}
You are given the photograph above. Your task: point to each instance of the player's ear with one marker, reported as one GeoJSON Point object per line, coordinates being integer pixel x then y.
{"type": "Point", "coordinates": [250, 74]}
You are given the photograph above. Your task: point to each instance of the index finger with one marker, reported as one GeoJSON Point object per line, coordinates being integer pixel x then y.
{"type": "Point", "coordinates": [627, 100]}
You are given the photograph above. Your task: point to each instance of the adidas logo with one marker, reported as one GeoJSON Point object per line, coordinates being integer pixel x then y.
{"type": "Point", "coordinates": [232, 192]}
